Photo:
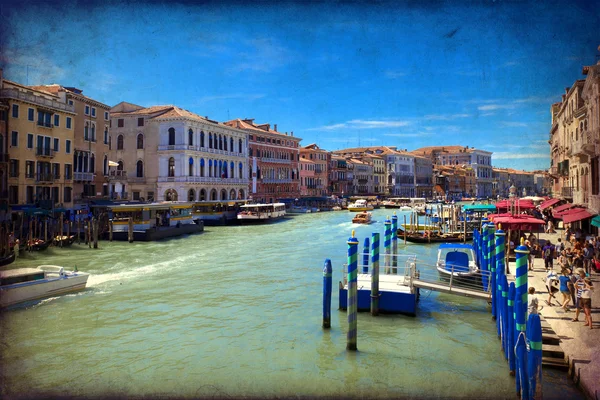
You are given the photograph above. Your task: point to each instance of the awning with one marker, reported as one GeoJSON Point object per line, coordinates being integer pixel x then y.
{"type": "Point", "coordinates": [596, 221]}
{"type": "Point", "coordinates": [577, 216]}
{"type": "Point", "coordinates": [519, 203]}
{"type": "Point", "coordinates": [479, 208]}
{"type": "Point", "coordinates": [518, 222]}
{"type": "Point", "coordinates": [573, 210]}
{"type": "Point", "coordinates": [113, 164]}
{"type": "Point", "coordinates": [549, 203]}
{"type": "Point", "coordinates": [563, 207]}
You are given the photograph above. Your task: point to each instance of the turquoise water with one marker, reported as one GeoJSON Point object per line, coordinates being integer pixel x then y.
{"type": "Point", "coordinates": [237, 311]}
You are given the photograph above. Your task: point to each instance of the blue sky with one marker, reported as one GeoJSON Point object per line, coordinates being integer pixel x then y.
{"type": "Point", "coordinates": [339, 74]}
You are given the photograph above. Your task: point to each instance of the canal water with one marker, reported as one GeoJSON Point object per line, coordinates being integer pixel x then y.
{"type": "Point", "coordinates": [237, 311]}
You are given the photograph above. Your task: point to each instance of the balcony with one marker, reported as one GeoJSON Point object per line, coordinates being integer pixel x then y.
{"type": "Point", "coordinates": [117, 175]}
{"type": "Point", "coordinates": [44, 177]}
{"type": "Point", "coordinates": [567, 192]}
{"type": "Point", "coordinates": [42, 124]}
{"type": "Point", "coordinates": [273, 180]}
{"type": "Point", "coordinates": [84, 176]}
{"type": "Point", "coordinates": [202, 179]}
{"type": "Point", "coordinates": [137, 179]}
{"type": "Point", "coordinates": [119, 196]}
{"type": "Point", "coordinates": [45, 152]}
{"type": "Point", "coordinates": [38, 100]}
{"type": "Point", "coordinates": [274, 160]}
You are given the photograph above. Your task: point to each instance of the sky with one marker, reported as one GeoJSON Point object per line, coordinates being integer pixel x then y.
{"type": "Point", "coordinates": [407, 74]}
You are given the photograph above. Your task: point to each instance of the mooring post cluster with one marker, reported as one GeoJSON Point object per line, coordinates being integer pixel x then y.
{"type": "Point", "coordinates": [520, 335]}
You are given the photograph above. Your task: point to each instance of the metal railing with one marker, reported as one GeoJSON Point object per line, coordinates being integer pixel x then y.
{"type": "Point", "coordinates": [44, 152]}
{"type": "Point", "coordinates": [566, 191]}
{"type": "Point", "coordinates": [44, 177]}
{"type": "Point", "coordinates": [117, 174]}
{"type": "Point", "coordinates": [454, 280]}
{"type": "Point", "coordinates": [202, 179]}
{"type": "Point", "coordinates": [83, 176]}
{"type": "Point", "coordinates": [403, 262]}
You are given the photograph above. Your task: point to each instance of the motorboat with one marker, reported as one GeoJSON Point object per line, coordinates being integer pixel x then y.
{"type": "Point", "coordinates": [360, 205]}
{"type": "Point", "coordinates": [363, 217]}
{"type": "Point", "coordinates": [456, 260]}
{"type": "Point", "coordinates": [25, 284]}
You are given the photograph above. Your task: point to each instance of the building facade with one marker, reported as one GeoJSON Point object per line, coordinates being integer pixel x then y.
{"type": "Point", "coordinates": [318, 160]}
{"type": "Point", "coordinates": [273, 159]}
{"type": "Point", "coordinates": [40, 132]}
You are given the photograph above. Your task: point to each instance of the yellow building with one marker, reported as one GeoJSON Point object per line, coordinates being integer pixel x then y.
{"type": "Point", "coordinates": [91, 141]}
{"type": "Point", "coordinates": [40, 132]}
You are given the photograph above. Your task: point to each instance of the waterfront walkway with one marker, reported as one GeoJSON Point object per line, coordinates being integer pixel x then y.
{"type": "Point", "coordinates": [580, 343]}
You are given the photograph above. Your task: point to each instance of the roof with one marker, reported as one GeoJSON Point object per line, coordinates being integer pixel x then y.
{"type": "Point", "coordinates": [479, 207]}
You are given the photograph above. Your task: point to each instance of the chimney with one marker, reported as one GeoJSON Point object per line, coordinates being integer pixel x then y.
{"type": "Point", "coordinates": [292, 133]}
{"type": "Point", "coordinates": [275, 127]}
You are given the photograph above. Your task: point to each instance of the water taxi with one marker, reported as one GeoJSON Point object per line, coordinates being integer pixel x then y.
{"type": "Point", "coordinates": [153, 221]}
{"type": "Point", "coordinates": [25, 284]}
{"type": "Point", "coordinates": [363, 217]}
{"type": "Point", "coordinates": [261, 212]}
{"type": "Point", "coordinates": [217, 212]}
{"type": "Point", "coordinates": [360, 205]}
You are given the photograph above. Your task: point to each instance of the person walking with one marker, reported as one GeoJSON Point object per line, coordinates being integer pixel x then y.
{"type": "Point", "coordinates": [579, 286]}
{"type": "Point", "coordinates": [548, 253]}
{"type": "Point", "coordinates": [588, 255]}
{"type": "Point", "coordinates": [586, 301]}
{"type": "Point", "coordinates": [564, 289]}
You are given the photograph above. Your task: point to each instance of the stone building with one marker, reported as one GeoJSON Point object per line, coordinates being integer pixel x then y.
{"type": "Point", "coordinates": [273, 159]}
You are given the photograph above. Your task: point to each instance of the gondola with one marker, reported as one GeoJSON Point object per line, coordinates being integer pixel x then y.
{"type": "Point", "coordinates": [7, 259]}
{"type": "Point", "coordinates": [433, 237]}
{"type": "Point", "coordinates": [38, 245]}
{"type": "Point", "coordinates": [63, 241]}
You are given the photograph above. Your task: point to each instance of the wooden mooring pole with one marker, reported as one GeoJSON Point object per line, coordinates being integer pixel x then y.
{"type": "Point", "coordinates": [95, 223]}
{"type": "Point", "coordinates": [130, 230]}
{"type": "Point", "coordinates": [375, 273]}
{"type": "Point", "coordinates": [110, 230]}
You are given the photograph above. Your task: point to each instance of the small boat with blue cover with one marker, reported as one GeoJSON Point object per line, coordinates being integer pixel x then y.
{"type": "Point", "coordinates": [457, 260]}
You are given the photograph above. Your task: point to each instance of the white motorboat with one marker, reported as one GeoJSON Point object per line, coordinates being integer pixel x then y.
{"type": "Point", "coordinates": [25, 284]}
{"type": "Point", "coordinates": [360, 205]}
{"type": "Point", "coordinates": [457, 260]}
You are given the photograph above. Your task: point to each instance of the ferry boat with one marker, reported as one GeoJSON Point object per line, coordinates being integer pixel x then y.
{"type": "Point", "coordinates": [456, 260]}
{"type": "Point", "coordinates": [217, 212]}
{"type": "Point", "coordinates": [25, 284]}
{"type": "Point", "coordinates": [153, 221]}
{"type": "Point", "coordinates": [261, 212]}
{"type": "Point", "coordinates": [360, 205]}
{"type": "Point", "coordinates": [363, 217]}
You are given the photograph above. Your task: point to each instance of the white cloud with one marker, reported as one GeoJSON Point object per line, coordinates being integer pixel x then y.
{"type": "Point", "coordinates": [504, 155]}
{"type": "Point", "coordinates": [241, 96]}
{"type": "Point", "coordinates": [362, 124]}
{"type": "Point", "coordinates": [445, 117]}
{"type": "Point", "coordinates": [492, 107]}
{"type": "Point", "coordinates": [29, 69]}
{"type": "Point", "coordinates": [394, 74]}
{"type": "Point", "coordinates": [513, 124]}
{"type": "Point", "coordinates": [265, 55]}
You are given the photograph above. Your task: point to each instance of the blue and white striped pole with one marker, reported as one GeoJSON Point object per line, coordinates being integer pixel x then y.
{"type": "Point", "coordinates": [365, 266]}
{"type": "Point", "coordinates": [521, 274]}
{"type": "Point", "coordinates": [504, 315]}
{"type": "Point", "coordinates": [375, 273]}
{"type": "Point", "coordinates": [534, 356]}
{"type": "Point", "coordinates": [521, 381]}
{"type": "Point", "coordinates": [511, 328]}
{"type": "Point", "coordinates": [352, 292]}
{"type": "Point", "coordinates": [327, 287]}
{"type": "Point", "coordinates": [387, 242]}
{"type": "Point", "coordinates": [394, 243]}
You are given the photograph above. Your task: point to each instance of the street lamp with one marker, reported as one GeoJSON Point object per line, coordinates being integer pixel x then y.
{"type": "Point", "coordinates": [511, 196]}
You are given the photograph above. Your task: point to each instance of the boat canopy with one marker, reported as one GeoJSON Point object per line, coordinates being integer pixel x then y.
{"type": "Point", "coordinates": [479, 207]}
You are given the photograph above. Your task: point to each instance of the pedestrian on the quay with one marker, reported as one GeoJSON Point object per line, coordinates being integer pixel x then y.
{"type": "Point", "coordinates": [532, 301]}
{"type": "Point", "coordinates": [579, 285]}
{"type": "Point", "coordinates": [586, 301]}
{"type": "Point", "coordinates": [588, 255]}
{"type": "Point", "coordinates": [548, 253]}
{"type": "Point", "coordinates": [531, 256]}
{"type": "Point", "coordinates": [564, 281]}
{"type": "Point", "coordinates": [550, 281]}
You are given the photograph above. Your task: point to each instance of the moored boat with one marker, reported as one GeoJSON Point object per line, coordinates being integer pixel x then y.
{"type": "Point", "coordinates": [153, 221]}
{"type": "Point", "coordinates": [433, 237]}
{"type": "Point", "coordinates": [7, 259]}
{"type": "Point", "coordinates": [457, 261]}
{"type": "Point", "coordinates": [25, 284]}
{"type": "Point", "coordinates": [38, 244]}
{"type": "Point", "coordinates": [360, 205]}
{"type": "Point", "coordinates": [217, 212]}
{"type": "Point", "coordinates": [257, 213]}
{"type": "Point", "coordinates": [363, 217]}
{"type": "Point", "coordinates": [63, 241]}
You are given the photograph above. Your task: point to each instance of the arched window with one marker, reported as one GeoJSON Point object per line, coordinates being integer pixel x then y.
{"type": "Point", "coordinates": [120, 142]}
{"type": "Point", "coordinates": [250, 152]}
{"type": "Point", "coordinates": [241, 172]}
{"type": "Point", "coordinates": [232, 194]}
{"type": "Point", "coordinates": [202, 167]}
{"type": "Point", "coordinates": [105, 166]}
{"type": "Point", "coordinates": [171, 136]}
{"type": "Point", "coordinates": [241, 194]}
{"type": "Point", "coordinates": [140, 141]}
{"type": "Point", "coordinates": [139, 169]}
{"type": "Point", "coordinates": [191, 167]}
{"type": "Point", "coordinates": [225, 143]}
{"type": "Point", "coordinates": [223, 194]}
{"type": "Point", "coordinates": [231, 169]}
{"type": "Point", "coordinates": [210, 168]}
{"type": "Point", "coordinates": [120, 166]}
{"type": "Point", "coordinates": [92, 163]}
{"type": "Point", "coordinates": [110, 142]}
{"type": "Point", "coordinates": [213, 194]}
{"type": "Point", "coordinates": [202, 195]}
{"type": "Point", "coordinates": [105, 135]}
{"type": "Point", "coordinates": [201, 138]}
{"type": "Point", "coordinates": [84, 162]}
{"type": "Point", "coordinates": [209, 140]}
{"type": "Point", "coordinates": [240, 146]}
{"type": "Point", "coordinates": [171, 195]}
{"type": "Point", "coordinates": [191, 195]}
{"type": "Point", "coordinates": [190, 137]}
{"type": "Point", "coordinates": [171, 166]}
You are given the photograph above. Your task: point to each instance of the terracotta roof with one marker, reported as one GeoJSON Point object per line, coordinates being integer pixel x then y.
{"type": "Point", "coordinates": [241, 124]}
{"type": "Point", "coordinates": [56, 88]}
{"type": "Point", "coordinates": [53, 89]}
